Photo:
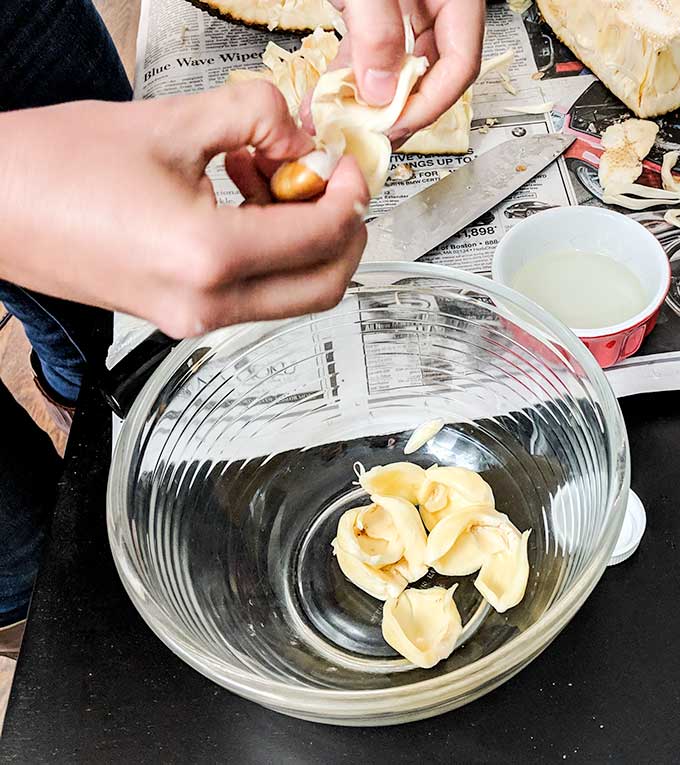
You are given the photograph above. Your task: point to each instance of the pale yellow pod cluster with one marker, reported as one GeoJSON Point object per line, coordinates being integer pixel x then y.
{"type": "Point", "coordinates": [296, 73]}
{"type": "Point", "coordinates": [345, 124]}
{"type": "Point", "coordinates": [502, 579]}
{"type": "Point", "coordinates": [482, 539]}
{"type": "Point", "coordinates": [446, 490]}
{"type": "Point", "coordinates": [452, 547]}
{"type": "Point", "coordinates": [450, 133]}
{"type": "Point", "coordinates": [400, 479]}
{"type": "Point", "coordinates": [422, 625]}
{"type": "Point", "coordinates": [381, 547]}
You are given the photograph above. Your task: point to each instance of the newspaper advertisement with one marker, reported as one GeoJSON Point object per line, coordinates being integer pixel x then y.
{"type": "Point", "coordinates": [182, 49]}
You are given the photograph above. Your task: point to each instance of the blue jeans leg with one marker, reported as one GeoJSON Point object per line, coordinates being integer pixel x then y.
{"type": "Point", "coordinates": [29, 468]}
{"type": "Point", "coordinates": [62, 335]}
{"type": "Point", "coordinates": [51, 51]}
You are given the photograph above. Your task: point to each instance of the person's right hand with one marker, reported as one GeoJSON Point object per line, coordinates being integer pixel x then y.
{"type": "Point", "coordinates": [109, 204]}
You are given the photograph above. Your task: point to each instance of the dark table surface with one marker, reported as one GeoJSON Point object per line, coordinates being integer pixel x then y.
{"type": "Point", "coordinates": [94, 685]}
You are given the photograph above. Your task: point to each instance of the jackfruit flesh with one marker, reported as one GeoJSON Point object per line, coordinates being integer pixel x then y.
{"type": "Point", "coordinates": [633, 47]}
{"type": "Point", "coordinates": [299, 72]}
{"type": "Point", "coordinates": [519, 6]}
{"type": "Point", "coordinates": [296, 73]}
{"type": "Point", "coordinates": [450, 134]}
{"type": "Point", "coordinates": [345, 124]}
{"type": "Point", "coordinates": [422, 625]}
{"type": "Point", "coordinates": [625, 144]}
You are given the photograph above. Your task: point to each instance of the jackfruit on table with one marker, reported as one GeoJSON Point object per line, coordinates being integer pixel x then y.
{"type": "Point", "coordinates": [290, 15]}
{"type": "Point", "coordinates": [632, 46]}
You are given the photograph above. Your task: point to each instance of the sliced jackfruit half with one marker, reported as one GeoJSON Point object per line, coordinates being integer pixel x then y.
{"type": "Point", "coordinates": [633, 47]}
{"type": "Point", "coordinates": [290, 15]}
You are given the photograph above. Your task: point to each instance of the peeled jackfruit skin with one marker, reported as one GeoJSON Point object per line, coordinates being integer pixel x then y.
{"type": "Point", "coordinates": [450, 134]}
{"type": "Point", "coordinates": [222, 9]}
{"type": "Point", "coordinates": [632, 47]}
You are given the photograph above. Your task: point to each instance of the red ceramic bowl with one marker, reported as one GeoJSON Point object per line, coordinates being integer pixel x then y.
{"type": "Point", "coordinates": [608, 233]}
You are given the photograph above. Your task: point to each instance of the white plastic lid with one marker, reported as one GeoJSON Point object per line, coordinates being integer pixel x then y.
{"type": "Point", "coordinates": [632, 531]}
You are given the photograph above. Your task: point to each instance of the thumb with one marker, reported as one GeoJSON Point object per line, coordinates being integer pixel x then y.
{"type": "Point", "coordinates": [376, 31]}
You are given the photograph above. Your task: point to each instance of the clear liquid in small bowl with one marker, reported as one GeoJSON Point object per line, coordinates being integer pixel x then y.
{"type": "Point", "coordinates": [585, 290]}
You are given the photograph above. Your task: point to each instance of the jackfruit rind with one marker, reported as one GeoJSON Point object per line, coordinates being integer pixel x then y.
{"type": "Point", "coordinates": [285, 15]}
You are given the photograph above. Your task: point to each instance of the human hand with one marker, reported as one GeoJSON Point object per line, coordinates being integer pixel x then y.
{"type": "Point", "coordinates": [109, 204]}
{"type": "Point", "coordinates": [448, 32]}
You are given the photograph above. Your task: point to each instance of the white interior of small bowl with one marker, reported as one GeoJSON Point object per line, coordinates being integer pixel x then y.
{"type": "Point", "coordinates": [237, 461]}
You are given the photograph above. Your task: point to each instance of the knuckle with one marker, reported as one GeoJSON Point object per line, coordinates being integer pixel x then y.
{"type": "Point", "coordinates": [178, 321]}
{"type": "Point", "coordinates": [381, 38]}
{"type": "Point", "coordinates": [473, 70]}
{"type": "Point", "coordinates": [207, 272]}
{"type": "Point", "coordinates": [335, 289]}
{"type": "Point", "coordinates": [206, 266]}
{"type": "Point", "coordinates": [171, 327]}
{"type": "Point", "coordinates": [270, 96]}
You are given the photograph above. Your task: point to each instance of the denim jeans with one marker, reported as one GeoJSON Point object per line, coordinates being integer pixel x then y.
{"type": "Point", "coordinates": [51, 51]}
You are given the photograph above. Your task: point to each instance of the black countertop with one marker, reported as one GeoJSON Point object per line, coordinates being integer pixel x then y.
{"type": "Point", "coordinates": [94, 685]}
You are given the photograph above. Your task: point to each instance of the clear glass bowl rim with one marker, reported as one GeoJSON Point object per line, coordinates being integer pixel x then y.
{"type": "Point", "coordinates": [470, 680]}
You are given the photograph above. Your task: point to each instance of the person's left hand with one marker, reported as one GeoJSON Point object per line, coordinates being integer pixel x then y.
{"type": "Point", "coordinates": [448, 32]}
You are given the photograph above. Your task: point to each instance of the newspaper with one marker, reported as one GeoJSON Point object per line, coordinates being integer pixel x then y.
{"type": "Point", "coordinates": [182, 50]}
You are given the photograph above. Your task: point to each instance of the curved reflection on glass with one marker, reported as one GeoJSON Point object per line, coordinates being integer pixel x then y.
{"type": "Point", "coordinates": [237, 461]}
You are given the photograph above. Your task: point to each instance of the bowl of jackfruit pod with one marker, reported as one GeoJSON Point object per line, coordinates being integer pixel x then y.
{"type": "Point", "coordinates": [237, 461]}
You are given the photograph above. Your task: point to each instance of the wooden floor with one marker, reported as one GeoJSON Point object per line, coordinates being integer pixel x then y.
{"type": "Point", "coordinates": [121, 17]}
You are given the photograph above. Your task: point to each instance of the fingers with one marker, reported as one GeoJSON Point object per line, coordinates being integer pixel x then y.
{"type": "Point", "coordinates": [305, 113]}
{"type": "Point", "coordinates": [426, 45]}
{"type": "Point", "coordinates": [270, 262]}
{"type": "Point", "coordinates": [293, 236]}
{"type": "Point", "coordinates": [343, 59]}
{"type": "Point", "coordinates": [459, 33]}
{"type": "Point", "coordinates": [377, 32]}
{"type": "Point", "coordinates": [226, 119]}
{"type": "Point", "coordinates": [243, 171]}
{"type": "Point", "coordinates": [294, 293]}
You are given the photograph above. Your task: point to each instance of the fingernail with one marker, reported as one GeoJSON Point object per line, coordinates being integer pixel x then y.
{"type": "Point", "coordinates": [379, 86]}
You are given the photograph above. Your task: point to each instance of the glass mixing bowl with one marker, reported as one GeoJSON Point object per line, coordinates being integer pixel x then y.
{"type": "Point", "coordinates": [236, 462]}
